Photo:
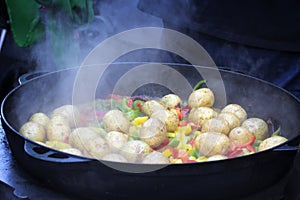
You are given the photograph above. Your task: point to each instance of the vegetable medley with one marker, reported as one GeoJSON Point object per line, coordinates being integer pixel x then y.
{"type": "Point", "coordinates": [146, 130]}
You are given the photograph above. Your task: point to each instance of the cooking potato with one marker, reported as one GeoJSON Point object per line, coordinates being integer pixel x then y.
{"type": "Point", "coordinates": [216, 157]}
{"type": "Point", "coordinates": [114, 157]}
{"type": "Point", "coordinates": [212, 143]}
{"type": "Point", "coordinates": [59, 120]}
{"type": "Point", "coordinates": [232, 119]}
{"type": "Point", "coordinates": [240, 135]}
{"type": "Point", "coordinates": [97, 147]}
{"type": "Point", "coordinates": [271, 142]}
{"type": "Point", "coordinates": [169, 117]}
{"type": "Point", "coordinates": [116, 140]}
{"type": "Point", "coordinates": [73, 151]}
{"type": "Point", "coordinates": [57, 145]}
{"type": "Point", "coordinates": [58, 132]}
{"type": "Point", "coordinates": [115, 120]}
{"type": "Point", "coordinates": [202, 97]}
{"type": "Point", "coordinates": [171, 101]}
{"type": "Point", "coordinates": [155, 157]}
{"type": "Point", "coordinates": [200, 115]}
{"type": "Point", "coordinates": [151, 106]}
{"type": "Point", "coordinates": [79, 137]}
{"type": "Point", "coordinates": [153, 132]}
{"type": "Point", "coordinates": [237, 110]}
{"type": "Point", "coordinates": [40, 118]}
{"type": "Point", "coordinates": [33, 131]}
{"type": "Point", "coordinates": [216, 125]}
{"type": "Point", "coordinates": [70, 112]}
{"type": "Point", "coordinates": [135, 150]}
{"type": "Point", "coordinates": [257, 127]}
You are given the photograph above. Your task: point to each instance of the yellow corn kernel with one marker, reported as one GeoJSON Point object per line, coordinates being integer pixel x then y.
{"type": "Point", "coordinates": [201, 159]}
{"type": "Point", "coordinates": [171, 134]}
{"type": "Point", "coordinates": [184, 129]}
{"type": "Point", "coordinates": [188, 148]}
{"type": "Point", "coordinates": [197, 132]}
{"type": "Point", "coordinates": [167, 153]}
{"type": "Point", "coordinates": [139, 120]}
{"type": "Point", "coordinates": [176, 160]}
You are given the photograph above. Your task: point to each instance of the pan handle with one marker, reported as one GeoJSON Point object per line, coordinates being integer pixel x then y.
{"type": "Point", "coordinates": [30, 75]}
{"type": "Point", "coordinates": [43, 153]}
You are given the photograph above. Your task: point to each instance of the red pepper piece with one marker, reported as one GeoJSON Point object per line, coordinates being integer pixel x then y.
{"type": "Point", "coordinates": [182, 123]}
{"type": "Point", "coordinates": [251, 148]}
{"type": "Point", "coordinates": [184, 156]}
{"type": "Point", "coordinates": [235, 153]}
{"type": "Point", "coordinates": [179, 114]}
{"type": "Point", "coordinates": [239, 146]}
{"type": "Point", "coordinates": [129, 102]}
{"type": "Point", "coordinates": [162, 145]}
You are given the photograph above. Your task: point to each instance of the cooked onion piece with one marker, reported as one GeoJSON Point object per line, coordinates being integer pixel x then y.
{"type": "Point", "coordinates": [257, 127]}
{"type": "Point", "coordinates": [216, 157]}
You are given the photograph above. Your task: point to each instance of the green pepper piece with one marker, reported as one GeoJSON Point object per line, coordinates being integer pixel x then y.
{"type": "Point", "coordinates": [197, 86]}
{"type": "Point", "coordinates": [174, 142]}
{"type": "Point", "coordinates": [132, 114]}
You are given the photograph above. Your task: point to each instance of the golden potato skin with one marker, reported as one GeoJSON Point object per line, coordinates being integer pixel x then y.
{"type": "Point", "coordinates": [171, 101]}
{"type": "Point", "coordinates": [257, 127]}
{"type": "Point", "coordinates": [155, 157]}
{"type": "Point", "coordinates": [202, 97]}
{"type": "Point", "coordinates": [212, 143]}
{"type": "Point", "coordinates": [58, 132]}
{"type": "Point", "coordinates": [240, 135]}
{"type": "Point", "coordinates": [232, 119]}
{"type": "Point", "coordinates": [116, 140]}
{"type": "Point", "coordinates": [40, 118]}
{"type": "Point", "coordinates": [97, 147]}
{"type": "Point", "coordinates": [33, 131]}
{"type": "Point", "coordinates": [80, 136]}
{"type": "Point", "coordinates": [135, 150]}
{"type": "Point", "coordinates": [169, 117]}
{"type": "Point", "coordinates": [237, 110]}
{"type": "Point", "coordinates": [70, 112]}
{"type": "Point", "coordinates": [271, 142]}
{"type": "Point", "coordinates": [216, 125]}
{"type": "Point", "coordinates": [153, 132]}
{"type": "Point", "coordinates": [115, 120]}
{"type": "Point", "coordinates": [200, 115]}
{"type": "Point", "coordinates": [151, 106]}
{"type": "Point", "coordinates": [73, 151]}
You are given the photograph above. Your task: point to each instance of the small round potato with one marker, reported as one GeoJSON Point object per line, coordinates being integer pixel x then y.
{"type": "Point", "coordinates": [114, 157]}
{"type": "Point", "coordinates": [33, 131]}
{"type": "Point", "coordinates": [97, 147]}
{"type": "Point", "coordinates": [216, 125]}
{"type": "Point", "coordinates": [169, 117]}
{"type": "Point", "coordinates": [79, 137]}
{"type": "Point", "coordinates": [116, 140]}
{"type": "Point", "coordinates": [153, 132]}
{"type": "Point", "coordinates": [237, 110]}
{"type": "Point", "coordinates": [57, 144]}
{"type": "Point", "coordinates": [240, 135]}
{"type": "Point", "coordinates": [271, 142]}
{"type": "Point", "coordinates": [232, 119]}
{"type": "Point", "coordinates": [202, 97]}
{"type": "Point", "coordinates": [58, 132]}
{"type": "Point", "coordinates": [200, 115]}
{"type": "Point", "coordinates": [40, 118]}
{"type": "Point", "coordinates": [216, 157]}
{"type": "Point", "coordinates": [257, 127]}
{"type": "Point", "coordinates": [115, 120]}
{"type": "Point", "coordinates": [212, 143]}
{"type": "Point", "coordinates": [155, 157]}
{"type": "Point", "coordinates": [171, 101]}
{"type": "Point", "coordinates": [135, 150]}
{"type": "Point", "coordinates": [151, 106]}
{"type": "Point", "coordinates": [70, 112]}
